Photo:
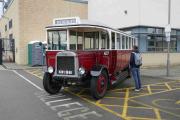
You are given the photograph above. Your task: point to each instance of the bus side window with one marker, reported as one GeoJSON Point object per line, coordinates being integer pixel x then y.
{"type": "Point", "coordinates": [136, 41]}
{"type": "Point", "coordinates": [104, 40]}
{"type": "Point", "coordinates": [130, 43]}
{"type": "Point", "coordinates": [113, 40]}
{"type": "Point", "coordinates": [73, 40]}
{"type": "Point", "coordinates": [123, 42]}
{"type": "Point", "coordinates": [96, 40]}
{"type": "Point", "coordinates": [79, 40]}
{"type": "Point", "coordinates": [87, 40]}
{"type": "Point", "coordinates": [127, 42]}
{"type": "Point", "coordinates": [91, 40]}
{"type": "Point", "coordinates": [118, 41]}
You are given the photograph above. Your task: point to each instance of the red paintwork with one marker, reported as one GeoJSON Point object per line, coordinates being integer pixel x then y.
{"type": "Point", "coordinates": [115, 61]}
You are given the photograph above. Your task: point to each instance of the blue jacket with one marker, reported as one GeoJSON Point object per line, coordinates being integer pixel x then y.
{"type": "Point", "coordinates": [132, 60]}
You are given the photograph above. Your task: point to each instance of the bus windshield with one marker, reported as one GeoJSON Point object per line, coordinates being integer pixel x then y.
{"type": "Point", "coordinates": [57, 40]}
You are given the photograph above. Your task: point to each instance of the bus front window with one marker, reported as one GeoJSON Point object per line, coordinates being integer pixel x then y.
{"type": "Point", "coordinates": [57, 40]}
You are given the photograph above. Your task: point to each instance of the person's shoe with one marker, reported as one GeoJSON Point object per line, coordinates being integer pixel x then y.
{"type": "Point", "coordinates": [137, 90]}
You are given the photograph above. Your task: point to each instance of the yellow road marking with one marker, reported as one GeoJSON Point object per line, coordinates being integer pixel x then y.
{"type": "Point", "coordinates": [156, 103]}
{"type": "Point", "coordinates": [127, 106]}
{"type": "Point", "coordinates": [117, 92]}
{"type": "Point", "coordinates": [115, 97]}
{"type": "Point", "coordinates": [157, 89]}
{"type": "Point", "coordinates": [124, 113]}
{"type": "Point", "coordinates": [98, 102]}
{"type": "Point", "coordinates": [99, 105]}
{"type": "Point", "coordinates": [163, 83]}
{"type": "Point", "coordinates": [140, 118]}
{"type": "Point", "coordinates": [157, 114]}
{"type": "Point", "coordinates": [40, 77]}
{"type": "Point", "coordinates": [154, 93]}
{"type": "Point", "coordinates": [149, 89]}
{"type": "Point", "coordinates": [154, 108]}
{"type": "Point", "coordinates": [122, 89]}
{"type": "Point", "coordinates": [81, 92]}
{"type": "Point", "coordinates": [178, 102]}
{"type": "Point", "coordinates": [168, 86]}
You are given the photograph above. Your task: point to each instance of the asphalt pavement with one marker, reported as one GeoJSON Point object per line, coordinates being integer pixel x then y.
{"type": "Point", "coordinates": [23, 97]}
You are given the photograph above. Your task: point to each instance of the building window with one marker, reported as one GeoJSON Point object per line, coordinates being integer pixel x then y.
{"type": "Point", "coordinates": [159, 31]}
{"type": "Point", "coordinates": [10, 36]}
{"type": "Point", "coordinates": [10, 24]}
{"type": "Point", "coordinates": [155, 30]}
{"type": "Point", "coordinates": [173, 44]}
{"type": "Point", "coordinates": [173, 32]}
{"type": "Point", "coordinates": [159, 44]}
{"type": "Point", "coordinates": [151, 30]}
{"type": "Point", "coordinates": [5, 27]}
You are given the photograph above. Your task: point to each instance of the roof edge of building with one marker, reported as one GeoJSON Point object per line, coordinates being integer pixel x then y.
{"type": "Point", "coordinates": [78, 1]}
{"type": "Point", "coordinates": [135, 26]}
{"type": "Point", "coordinates": [3, 14]}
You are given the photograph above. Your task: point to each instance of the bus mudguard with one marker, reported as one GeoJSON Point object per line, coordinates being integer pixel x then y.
{"type": "Point", "coordinates": [96, 70]}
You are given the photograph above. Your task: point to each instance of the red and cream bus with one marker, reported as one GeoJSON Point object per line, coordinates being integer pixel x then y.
{"type": "Point", "coordinates": [80, 52]}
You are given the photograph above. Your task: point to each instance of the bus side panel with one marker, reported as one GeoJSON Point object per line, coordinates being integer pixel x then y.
{"type": "Point", "coordinates": [123, 57]}
{"type": "Point", "coordinates": [86, 59]}
{"type": "Point", "coordinates": [113, 61]}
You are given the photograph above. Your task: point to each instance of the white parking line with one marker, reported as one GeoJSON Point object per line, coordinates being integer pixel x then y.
{"type": "Point", "coordinates": [66, 105]}
{"type": "Point", "coordinates": [54, 101]}
{"type": "Point", "coordinates": [51, 97]}
{"type": "Point", "coordinates": [67, 112]}
{"type": "Point", "coordinates": [83, 115]}
{"type": "Point", "coordinates": [67, 108]}
{"type": "Point", "coordinates": [27, 80]}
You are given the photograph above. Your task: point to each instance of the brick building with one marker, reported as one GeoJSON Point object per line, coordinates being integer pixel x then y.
{"type": "Point", "coordinates": [25, 20]}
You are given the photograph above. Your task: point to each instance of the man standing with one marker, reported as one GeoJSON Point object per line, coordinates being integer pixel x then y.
{"type": "Point", "coordinates": [135, 63]}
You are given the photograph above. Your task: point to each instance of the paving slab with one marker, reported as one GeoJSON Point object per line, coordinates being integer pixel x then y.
{"type": "Point", "coordinates": [1, 67]}
{"type": "Point", "coordinates": [15, 66]}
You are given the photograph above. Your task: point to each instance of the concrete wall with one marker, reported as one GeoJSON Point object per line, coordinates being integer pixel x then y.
{"type": "Point", "coordinates": [160, 59]}
{"type": "Point", "coordinates": [139, 12]}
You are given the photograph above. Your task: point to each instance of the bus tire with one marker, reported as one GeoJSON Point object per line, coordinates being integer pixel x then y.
{"type": "Point", "coordinates": [99, 85]}
{"type": "Point", "coordinates": [50, 86]}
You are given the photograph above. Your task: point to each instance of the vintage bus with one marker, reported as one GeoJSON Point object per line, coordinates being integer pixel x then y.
{"type": "Point", "coordinates": [81, 52]}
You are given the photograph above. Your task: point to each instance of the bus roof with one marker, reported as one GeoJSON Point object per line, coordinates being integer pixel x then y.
{"type": "Point", "coordinates": [86, 23]}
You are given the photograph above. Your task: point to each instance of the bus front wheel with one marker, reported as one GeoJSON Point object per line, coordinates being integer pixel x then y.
{"type": "Point", "coordinates": [99, 85]}
{"type": "Point", "coordinates": [50, 86]}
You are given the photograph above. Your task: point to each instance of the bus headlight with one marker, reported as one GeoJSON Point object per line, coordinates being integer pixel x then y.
{"type": "Point", "coordinates": [81, 70]}
{"type": "Point", "coordinates": [50, 69]}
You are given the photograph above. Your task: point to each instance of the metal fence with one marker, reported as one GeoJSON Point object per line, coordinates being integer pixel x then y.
{"type": "Point", "coordinates": [7, 48]}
